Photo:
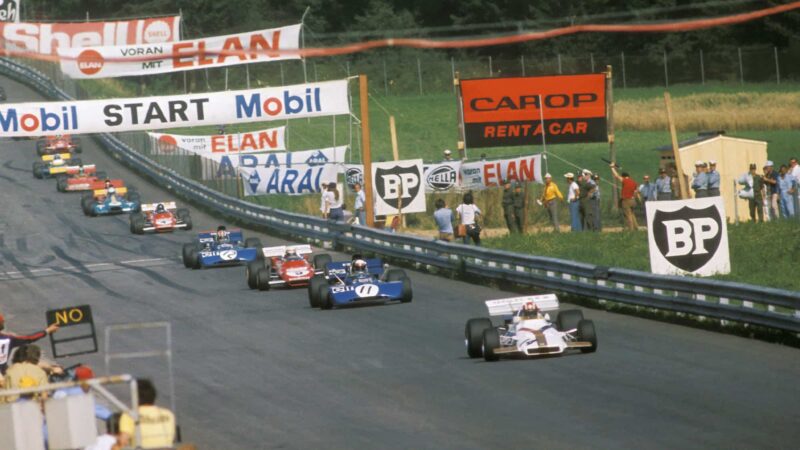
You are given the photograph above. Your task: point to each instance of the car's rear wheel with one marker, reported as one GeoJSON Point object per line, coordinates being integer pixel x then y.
{"type": "Point", "coordinates": [61, 183]}
{"type": "Point", "coordinates": [395, 275]}
{"type": "Point", "coordinates": [188, 262]}
{"type": "Point", "coordinates": [408, 293]}
{"type": "Point", "coordinates": [473, 333]}
{"type": "Point", "coordinates": [85, 202]}
{"type": "Point", "coordinates": [251, 273]}
{"type": "Point", "coordinates": [262, 278]}
{"type": "Point", "coordinates": [37, 169]}
{"type": "Point", "coordinates": [313, 291]}
{"type": "Point", "coordinates": [196, 260]}
{"type": "Point", "coordinates": [568, 320]}
{"type": "Point", "coordinates": [184, 216]}
{"type": "Point", "coordinates": [134, 197]}
{"type": "Point", "coordinates": [586, 333]}
{"type": "Point", "coordinates": [491, 341]}
{"type": "Point", "coordinates": [320, 261]}
{"type": "Point", "coordinates": [325, 297]}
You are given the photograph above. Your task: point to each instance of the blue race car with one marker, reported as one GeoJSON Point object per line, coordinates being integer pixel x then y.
{"type": "Point", "coordinates": [358, 282]}
{"type": "Point", "coordinates": [111, 200]}
{"type": "Point", "coordinates": [221, 248]}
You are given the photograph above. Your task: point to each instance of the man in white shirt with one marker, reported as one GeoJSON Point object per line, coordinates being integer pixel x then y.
{"type": "Point", "coordinates": [573, 193]}
{"type": "Point", "coordinates": [358, 208]}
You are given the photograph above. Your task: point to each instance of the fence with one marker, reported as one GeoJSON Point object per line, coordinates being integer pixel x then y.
{"type": "Point", "coordinates": [725, 301]}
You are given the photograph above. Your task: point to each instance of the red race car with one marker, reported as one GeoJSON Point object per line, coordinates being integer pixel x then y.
{"type": "Point", "coordinates": [89, 183]}
{"type": "Point", "coordinates": [66, 173]}
{"type": "Point", "coordinates": [285, 265]}
{"type": "Point", "coordinates": [160, 218]}
{"type": "Point", "coordinates": [58, 144]}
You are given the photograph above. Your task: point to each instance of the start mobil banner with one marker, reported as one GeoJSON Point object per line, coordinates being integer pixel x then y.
{"type": "Point", "coordinates": [268, 140]}
{"type": "Point", "coordinates": [46, 38]}
{"type": "Point", "coordinates": [501, 112]}
{"type": "Point", "coordinates": [291, 173]}
{"type": "Point", "coordinates": [152, 113]}
{"type": "Point", "coordinates": [150, 59]}
{"type": "Point", "coordinates": [486, 174]}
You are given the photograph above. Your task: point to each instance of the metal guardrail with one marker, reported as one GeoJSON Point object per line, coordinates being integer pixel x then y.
{"type": "Point", "coordinates": [725, 301]}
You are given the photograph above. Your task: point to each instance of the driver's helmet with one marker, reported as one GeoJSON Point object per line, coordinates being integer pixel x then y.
{"type": "Point", "coordinates": [530, 310]}
{"type": "Point", "coordinates": [160, 208]}
{"type": "Point", "coordinates": [359, 266]}
{"type": "Point", "coordinates": [290, 253]}
{"type": "Point", "coordinates": [80, 169]}
{"type": "Point", "coordinates": [108, 184]}
{"type": "Point", "coordinates": [111, 190]}
{"type": "Point", "coordinates": [222, 233]}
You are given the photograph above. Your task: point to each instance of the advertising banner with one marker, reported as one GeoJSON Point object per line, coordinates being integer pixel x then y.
{"type": "Point", "coordinates": [268, 140]}
{"type": "Point", "coordinates": [441, 177]}
{"type": "Point", "coordinates": [501, 112]}
{"type": "Point", "coordinates": [398, 184]}
{"type": "Point", "coordinates": [291, 173]}
{"type": "Point", "coordinates": [353, 173]}
{"type": "Point", "coordinates": [166, 57]}
{"type": "Point", "coordinates": [153, 113]}
{"type": "Point", "coordinates": [485, 174]}
{"type": "Point", "coordinates": [9, 10]}
{"type": "Point", "coordinates": [688, 237]}
{"type": "Point", "coordinates": [46, 38]}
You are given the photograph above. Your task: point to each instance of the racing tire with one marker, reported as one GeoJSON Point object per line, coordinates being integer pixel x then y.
{"type": "Point", "coordinates": [186, 253]}
{"type": "Point", "coordinates": [137, 223]}
{"type": "Point", "coordinates": [85, 202]}
{"type": "Point", "coordinates": [262, 278]}
{"type": "Point", "coordinates": [586, 333]}
{"type": "Point", "coordinates": [491, 341]}
{"type": "Point", "coordinates": [252, 243]}
{"type": "Point", "coordinates": [568, 320]}
{"type": "Point", "coordinates": [408, 293]}
{"type": "Point", "coordinates": [91, 208]}
{"type": "Point", "coordinates": [100, 175]}
{"type": "Point", "coordinates": [37, 170]}
{"type": "Point", "coordinates": [325, 297]}
{"type": "Point", "coordinates": [188, 221]}
{"type": "Point", "coordinates": [134, 197]}
{"type": "Point", "coordinates": [75, 161]}
{"type": "Point", "coordinates": [132, 189]}
{"type": "Point", "coordinates": [473, 335]}
{"type": "Point", "coordinates": [395, 275]}
{"type": "Point", "coordinates": [320, 261]}
{"type": "Point", "coordinates": [196, 264]}
{"type": "Point", "coordinates": [251, 273]}
{"type": "Point", "coordinates": [184, 216]}
{"type": "Point", "coordinates": [313, 291]}
{"type": "Point", "coordinates": [61, 183]}
{"type": "Point", "coordinates": [40, 144]}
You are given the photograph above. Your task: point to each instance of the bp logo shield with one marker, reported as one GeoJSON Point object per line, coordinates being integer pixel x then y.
{"type": "Point", "coordinates": [398, 182]}
{"type": "Point", "coordinates": [688, 237]}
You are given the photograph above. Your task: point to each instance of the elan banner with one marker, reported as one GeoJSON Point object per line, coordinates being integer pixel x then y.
{"type": "Point", "coordinates": [501, 112]}
{"type": "Point", "coordinates": [153, 113]}
{"type": "Point", "coordinates": [290, 173]}
{"type": "Point", "coordinates": [46, 38]}
{"type": "Point", "coordinates": [486, 174]}
{"type": "Point", "coordinates": [268, 140]}
{"type": "Point", "coordinates": [156, 58]}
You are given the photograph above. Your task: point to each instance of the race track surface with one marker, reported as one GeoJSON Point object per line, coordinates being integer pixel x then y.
{"type": "Point", "coordinates": [263, 370]}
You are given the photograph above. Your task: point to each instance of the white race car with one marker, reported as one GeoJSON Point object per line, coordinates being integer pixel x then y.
{"type": "Point", "coordinates": [527, 329]}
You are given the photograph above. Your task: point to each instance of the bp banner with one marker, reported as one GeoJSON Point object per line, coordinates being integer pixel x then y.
{"type": "Point", "coordinates": [268, 140]}
{"type": "Point", "coordinates": [485, 174]}
{"type": "Point", "coordinates": [501, 112]}
{"type": "Point", "coordinates": [9, 10]}
{"type": "Point", "coordinates": [46, 38]}
{"type": "Point", "coordinates": [152, 113]}
{"type": "Point", "coordinates": [398, 183]}
{"type": "Point", "coordinates": [150, 59]}
{"type": "Point", "coordinates": [289, 173]}
{"type": "Point", "coordinates": [441, 177]}
{"type": "Point", "coordinates": [688, 237]}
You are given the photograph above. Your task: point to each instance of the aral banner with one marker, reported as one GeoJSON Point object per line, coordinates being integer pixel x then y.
{"type": "Point", "coordinates": [501, 112]}
{"type": "Point", "coordinates": [45, 38]}
{"type": "Point", "coordinates": [9, 10]}
{"type": "Point", "coordinates": [175, 111]}
{"type": "Point", "coordinates": [398, 184]}
{"type": "Point", "coordinates": [291, 173]}
{"type": "Point", "coordinates": [268, 140]}
{"type": "Point", "coordinates": [485, 174]}
{"type": "Point", "coordinates": [151, 59]}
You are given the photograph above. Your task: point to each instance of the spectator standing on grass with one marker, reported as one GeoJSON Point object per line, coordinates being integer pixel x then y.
{"type": "Point", "coordinates": [663, 186]}
{"type": "Point", "coordinates": [468, 215]}
{"type": "Point", "coordinates": [519, 207]}
{"type": "Point", "coordinates": [358, 207]}
{"type": "Point", "coordinates": [713, 179]}
{"type": "Point", "coordinates": [444, 220]}
{"type": "Point", "coordinates": [794, 169]}
{"type": "Point", "coordinates": [786, 189]}
{"type": "Point", "coordinates": [447, 155]}
{"type": "Point", "coordinates": [647, 190]}
{"type": "Point", "coordinates": [771, 189]}
{"type": "Point", "coordinates": [9, 342]}
{"type": "Point", "coordinates": [508, 207]}
{"type": "Point", "coordinates": [333, 203]}
{"type": "Point", "coordinates": [700, 180]}
{"type": "Point", "coordinates": [573, 193]}
{"type": "Point", "coordinates": [157, 424]}
{"type": "Point", "coordinates": [628, 196]}
{"type": "Point", "coordinates": [598, 218]}
{"type": "Point", "coordinates": [755, 183]}
{"type": "Point", "coordinates": [587, 189]}
{"type": "Point", "coordinates": [551, 195]}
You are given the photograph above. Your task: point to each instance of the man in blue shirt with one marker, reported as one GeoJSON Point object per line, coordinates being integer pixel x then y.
{"type": "Point", "coordinates": [712, 179]}
{"type": "Point", "coordinates": [444, 220]}
{"type": "Point", "coordinates": [647, 190]}
{"type": "Point", "coordinates": [700, 180]}
{"type": "Point", "coordinates": [786, 188]}
{"type": "Point", "coordinates": [663, 186]}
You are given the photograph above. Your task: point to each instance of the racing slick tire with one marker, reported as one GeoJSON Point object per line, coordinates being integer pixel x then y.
{"type": "Point", "coordinates": [195, 259]}
{"type": "Point", "coordinates": [61, 183]}
{"type": "Point", "coordinates": [491, 341]}
{"type": "Point", "coordinates": [320, 261]}
{"type": "Point", "coordinates": [473, 334]}
{"type": "Point", "coordinates": [37, 170]}
{"type": "Point", "coordinates": [186, 253]}
{"type": "Point", "coordinates": [255, 243]}
{"type": "Point", "coordinates": [137, 223]}
{"type": "Point", "coordinates": [395, 275]}
{"type": "Point", "coordinates": [251, 273]}
{"type": "Point", "coordinates": [325, 297]}
{"type": "Point", "coordinates": [313, 291]}
{"type": "Point", "coordinates": [100, 175]}
{"type": "Point", "coordinates": [568, 320]}
{"type": "Point", "coordinates": [407, 293]}
{"type": "Point", "coordinates": [262, 278]}
{"type": "Point", "coordinates": [92, 211]}
{"type": "Point", "coordinates": [184, 216]}
{"type": "Point", "coordinates": [40, 144]}
{"type": "Point", "coordinates": [586, 333]}
{"type": "Point", "coordinates": [85, 201]}
{"type": "Point", "coordinates": [134, 197]}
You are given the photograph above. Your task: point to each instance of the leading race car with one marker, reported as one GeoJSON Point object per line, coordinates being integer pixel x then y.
{"type": "Point", "coordinates": [358, 282]}
{"type": "Point", "coordinates": [221, 248]}
{"type": "Point", "coordinates": [160, 218]}
{"type": "Point", "coordinates": [58, 144]}
{"type": "Point", "coordinates": [527, 329]}
{"type": "Point", "coordinates": [50, 165]}
{"type": "Point", "coordinates": [285, 265]}
{"type": "Point", "coordinates": [110, 200]}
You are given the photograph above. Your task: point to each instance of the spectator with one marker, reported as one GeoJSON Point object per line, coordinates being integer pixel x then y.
{"type": "Point", "coordinates": [483, 156]}
{"type": "Point", "coordinates": [573, 192]}
{"type": "Point", "coordinates": [26, 373]}
{"type": "Point", "coordinates": [83, 373]}
{"type": "Point", "coordinates": [598, 219]}
{"type": "Point", "coordinates": [508, 207]}
{"type": "Point", "coordinates": [447, 155]}
{"type": "Point", "coordinates": [157, 424]}
{"type": "Point", "coordinates": [519, 206]}
{"type": "Point", "coordinates": [358, 207]}
{"type": "Point", "coordinates": [587, 188]}
{"type": "Point", "coordinates": [794, 169]}
{"type": "Point", "coordinates": [468, 214]}
{"type": "Point", "coordinates": [786, 190]}
{"type": "Point", "coordinates": [754, 193]}
{"type": "Point", "coordinates": [647, 190]}
{"type": "Point", "coordinates": [9, 342]}
{"type": "Point", "coordinates": [771, 189]}
{"type": "Point", "coordinates": [113, 439]}
{"type": "Point", "coordinates": [663, 186]}
{"type": "Point", "coordinates": [628, 196]}
{"type": "Point", "coordinates": [392, 223]}
{"type": "Point", "coordinates": [444, 220]}
{"type": "Point", "coordinates": [333, 202]}
{"type": "Point", "coordinates": [551, 195]}
{"type": "Point", "coordinates": [712, 179]}
{"type": "Point", "coordinates": [700, 181]}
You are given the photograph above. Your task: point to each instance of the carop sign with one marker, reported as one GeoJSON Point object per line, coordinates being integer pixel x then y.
{"type": "Point", "coordinates": [155, 58]}
{"type": "Point", "coordinates": [46, 38]}
{"type": "Point", "coordinates": [501, 112]}
{"type": "Point", "coordinates": [152, 113]}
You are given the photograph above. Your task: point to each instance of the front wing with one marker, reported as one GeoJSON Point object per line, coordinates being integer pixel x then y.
{"type": "Point", "coordinates": [360, 293]}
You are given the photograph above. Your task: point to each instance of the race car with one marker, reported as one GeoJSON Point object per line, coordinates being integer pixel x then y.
{"type": "Point", "coordinates": [527, 329]}
{"type": "Point", "coordinates": [160, 218]}
{"type": "Point", "coordinates": [57, 161]}
{"type": "Point", "coordinates": [68, 178]}
{"type": "Point", "coordinates": [284, 265]}
{"type": "Point", "coordinates": [221, 248]}
{"type": "Point", "coordinates": [85, 182]}
{"type": "Point", "coordinates": [110, 200]}
{"type": "Point", "coordinates": [358, 282]}
{"type": "Point", "coordinates": [58, 144]}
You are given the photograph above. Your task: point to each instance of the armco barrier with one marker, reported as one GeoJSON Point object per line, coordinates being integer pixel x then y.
{"type": "Point", "coordinates": [772, 308]}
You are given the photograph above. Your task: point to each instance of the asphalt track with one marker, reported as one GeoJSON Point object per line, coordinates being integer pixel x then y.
{"type": "Point", "coordinates": [263, 370]}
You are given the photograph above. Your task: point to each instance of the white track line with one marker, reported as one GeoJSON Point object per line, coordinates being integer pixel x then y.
{"type": "Point", "coordinates": [142, 260]}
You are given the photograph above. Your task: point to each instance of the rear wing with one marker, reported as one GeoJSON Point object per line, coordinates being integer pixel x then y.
{"type": "Point", "coordinates": [280, 250]}
{"type": "Point", "coordinates": [148, 207]}
{"type": "Point", "coordinates": [210, 236]}
{"type": "Point", "coordinates": [374, 267]}
{"type": "Point", "coordinates": [48, 158]}
{"type": "Point", "coordinates": [87, 169]}
{"type": "Point", "coordinates": [104, 191]}
{"type": "Point", "coordinates": [509, 306]}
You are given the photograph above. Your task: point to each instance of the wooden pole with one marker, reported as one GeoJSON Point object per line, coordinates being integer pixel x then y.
{"type": "Point", "coordinates": [675, 150]}
{"type": "Point", "coordinates": [366, 156]}
{"type": "Point", "coordinates": [393, 133]}
{"type": "Point", "coordinates": [612, 150]}
{"type": "Point", "coordinates": [461, 143]}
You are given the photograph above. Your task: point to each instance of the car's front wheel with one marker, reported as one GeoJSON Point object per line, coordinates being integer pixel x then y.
{"type": "Point", "coordinates": [473, 333]}
{"type": "Point", "coordinates": [491, 341]}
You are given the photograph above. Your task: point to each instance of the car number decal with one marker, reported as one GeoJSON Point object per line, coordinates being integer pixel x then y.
{"type": "Point", "coordinates": [367, 290]}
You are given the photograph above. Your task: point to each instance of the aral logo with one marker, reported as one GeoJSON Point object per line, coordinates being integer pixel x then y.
{"type": "Point", "coordinates": [254, 180]}
{"type": "Point", "coordinates": [398, 183]}
{"type": "Point", "coordinates": [317, 159]}
{"type": "Point", "coordinates": [90, 62]}
{"type": "Point", "coordinates": [441, 178]}
{"type": "Point", "coordinates": [688, 238]}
